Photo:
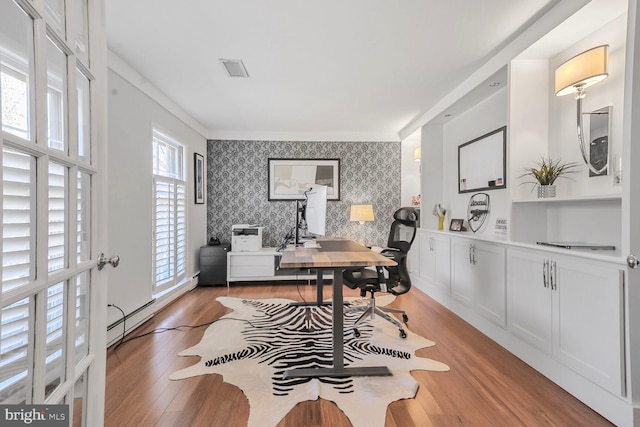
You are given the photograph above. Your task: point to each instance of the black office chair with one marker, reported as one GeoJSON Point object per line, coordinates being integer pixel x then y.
{"type": "Point", "coordinates": [397, 281]}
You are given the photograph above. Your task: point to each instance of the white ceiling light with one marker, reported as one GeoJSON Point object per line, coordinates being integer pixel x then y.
{"type": "Point", "coordinates": [234, 67]}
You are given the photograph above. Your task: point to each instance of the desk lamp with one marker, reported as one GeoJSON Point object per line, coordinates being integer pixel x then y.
{"type": "Point", "coordinates": [361, 213]}
{"type": "Point", "coordinates": [575, 76]}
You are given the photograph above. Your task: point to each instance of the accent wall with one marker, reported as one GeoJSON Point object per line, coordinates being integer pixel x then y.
{"type": "Point", "coordinates": [237, 184]}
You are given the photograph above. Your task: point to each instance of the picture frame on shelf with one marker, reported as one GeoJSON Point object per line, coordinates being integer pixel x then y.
{"type": "Point", "coordinates": [289, 179]}
{"type": "Point", "coordinates": [198, 178]}
{"type": "Point", "coordinates": [456, 225]}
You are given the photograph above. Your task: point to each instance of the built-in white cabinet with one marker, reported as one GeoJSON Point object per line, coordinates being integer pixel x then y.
{"type": "Point", "coordinates": [478, 277]}
{"type": "Point", "coordinates": [563, 311]}
{"type": "Point", "coordinates": [572, 308]}
{"type": "Point", "coordinates": [435, 259]}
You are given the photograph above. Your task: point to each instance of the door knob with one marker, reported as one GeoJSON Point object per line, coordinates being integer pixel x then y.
{"type": "Point", "coordinates": [632, 261]}
{"type": "Point", "coordinates": [103, 260]}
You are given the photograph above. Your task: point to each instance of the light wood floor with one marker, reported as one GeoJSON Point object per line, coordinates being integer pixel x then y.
{"type": "Point", "coordinates": [487, 386]}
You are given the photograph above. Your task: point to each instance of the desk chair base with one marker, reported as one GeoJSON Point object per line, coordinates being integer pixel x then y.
{"type": "Point", "coordinates": [310, 304]}
{"type": "Point", "coordinates": [372, 310]}
{"type": "Point", "coordinates": [371, 371]}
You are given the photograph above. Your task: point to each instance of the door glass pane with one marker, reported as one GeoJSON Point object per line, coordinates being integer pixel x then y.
{"type": "Point", "coordinates": [56, 97]}
{"type": "Point", "coordinates": [84, 216]}
{"type": "Point", "coordinates": [82, 315]}
{"type": "Point", "coordinates": [84, 118]}
{"type": "Point", "coordinates": [79, 397]}
{"type": "Point", "coordinates": [54, 12]}
{"type": "Point", "coordinates": [55, 342]}
{"type": "Point", "coordinates": [16, 71]}
{"type": "Point", "coordinates": [81, 29]}
{"type": "Point", "coordinates": [15, 345]}
{"type": "Point", "coordinates": [57, 216]}
{"type": "Point", "coordinates": [18, 219]}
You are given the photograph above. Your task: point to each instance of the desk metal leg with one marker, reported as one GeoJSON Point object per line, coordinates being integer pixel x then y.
{"type": "Point", "coordinates": [319, 284]}
{"type": "Point", "coordinates": [338, 369]}
{"type": "Point", "coordinates": [319, 297]}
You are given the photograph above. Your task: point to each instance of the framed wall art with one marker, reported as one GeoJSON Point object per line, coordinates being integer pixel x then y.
{"type": "Point", "coordinates": [290, 178]}
{"type": "Point", "coordinates": [198, 172]}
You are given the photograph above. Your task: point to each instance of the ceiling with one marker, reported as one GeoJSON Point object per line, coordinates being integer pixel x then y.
{"type": "Point", "coordinates": [335, 69]}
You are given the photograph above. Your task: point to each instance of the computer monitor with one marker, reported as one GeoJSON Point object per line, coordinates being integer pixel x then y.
{"type": "Point", "coordinates": [315, 212]}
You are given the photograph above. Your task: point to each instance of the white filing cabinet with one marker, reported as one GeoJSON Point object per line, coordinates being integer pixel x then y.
{"type": "Point", "coordinates": [262, 265]}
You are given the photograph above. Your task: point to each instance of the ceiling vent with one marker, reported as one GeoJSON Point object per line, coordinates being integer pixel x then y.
{"type": "Point", "coordinates": [234, 67]}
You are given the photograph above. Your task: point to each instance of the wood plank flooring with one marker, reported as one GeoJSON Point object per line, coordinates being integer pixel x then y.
{"type": "Point", "coordinates": [487, 386]}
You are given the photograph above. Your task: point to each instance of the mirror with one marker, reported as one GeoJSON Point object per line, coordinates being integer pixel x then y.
{"type": "Point", "coordinates": [596, 126]}
{"type": "Point", "coordinates": [482, 163]}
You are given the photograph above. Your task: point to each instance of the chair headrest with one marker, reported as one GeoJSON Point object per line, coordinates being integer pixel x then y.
{"type": "Point", "coordinates": [407, 216]}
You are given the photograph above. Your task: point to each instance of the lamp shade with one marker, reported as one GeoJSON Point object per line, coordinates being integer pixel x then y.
{"type": "Point", "coordinates": [582, 71]}
{"type": "Point", "coordinates": [361, 213]}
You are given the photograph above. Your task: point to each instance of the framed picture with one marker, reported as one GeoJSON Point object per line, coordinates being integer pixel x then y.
{"type": "Point", "coordinates": [198, 179]}
{"type": "Point", "coordinates": [290, 178]}
{"type": "Point", "coordinates": [456, 224]}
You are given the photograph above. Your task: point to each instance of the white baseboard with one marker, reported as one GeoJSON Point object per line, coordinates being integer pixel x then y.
{"type": "Point", "coordinates": [114, 335]}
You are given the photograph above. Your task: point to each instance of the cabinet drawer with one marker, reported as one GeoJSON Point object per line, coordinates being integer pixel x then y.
{"type": "Point", "coordinates": [251, 266]}
{"type": "Point", "coordinates": [251, 271]}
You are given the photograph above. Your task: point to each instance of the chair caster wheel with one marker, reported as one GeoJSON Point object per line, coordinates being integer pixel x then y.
{"type": "Point", "coordinates": [356, 333]}
{"type": "Point", "coordinates": [405, 318]}
{"type": "Point", "coordinates": [403, 334]}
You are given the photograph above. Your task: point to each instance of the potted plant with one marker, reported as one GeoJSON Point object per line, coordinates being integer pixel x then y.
{"type": "Point", "coordinates": [546, 172]}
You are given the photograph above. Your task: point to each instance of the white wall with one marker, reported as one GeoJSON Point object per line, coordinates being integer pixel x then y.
{"type": "Point", "coordinates": [131, 116]}
{"type": "Point", "coordinates": [562, 110]}
{"type": "Point", "coordinates": [410, 180]}
{"type": "Point", "coordinates": [432, 169]}
{"type": "Point", "coordinates": [483, 118]}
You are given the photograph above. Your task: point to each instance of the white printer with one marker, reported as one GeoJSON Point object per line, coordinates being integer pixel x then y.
{"type": "Point", "coordinates": [246, 238]}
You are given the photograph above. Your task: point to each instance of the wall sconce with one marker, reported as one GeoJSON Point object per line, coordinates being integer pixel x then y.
{"type": "Point", "coordinates": [575, 76]}
{"type": "Point", "coordinates": [417, 154]}
{"type": "Point", "coordinates": [361, 213]}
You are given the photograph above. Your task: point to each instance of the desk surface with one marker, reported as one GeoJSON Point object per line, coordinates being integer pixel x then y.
{"type": "Point", "coordinates": [333, 253]}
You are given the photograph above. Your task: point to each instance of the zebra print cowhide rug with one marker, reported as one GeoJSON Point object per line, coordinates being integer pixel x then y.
{"type": "Point", "coordinates": [252, 346]}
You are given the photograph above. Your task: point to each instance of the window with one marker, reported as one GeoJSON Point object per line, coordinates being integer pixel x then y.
{"type": "Point", "coordinates": [16, 72]}
{"type": "Point", "coordinates": [57, 216]}
{"type": "Point", "coordinates": [169, 216]}
{"type": "Point", "coordinates": [18, 219]}
{"type": "Point", "coordinates": [56, 96]}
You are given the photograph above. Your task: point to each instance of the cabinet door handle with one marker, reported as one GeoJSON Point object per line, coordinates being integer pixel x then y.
{"type": "Point", "coordinates": [545, 269]}
{"type": "Point", "coordinates": [552, 275]}
{"type": "Point", "coordinates": [470, 254]}
{"type": "Point", "coordinates": [474, 255]}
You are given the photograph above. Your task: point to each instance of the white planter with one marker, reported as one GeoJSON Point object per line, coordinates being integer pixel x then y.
{"type": "Point", "coordinates": [546, 191]}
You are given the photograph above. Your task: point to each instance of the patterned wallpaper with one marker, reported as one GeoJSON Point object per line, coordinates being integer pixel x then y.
{"type": "Point", "coordinates": [237, 173]}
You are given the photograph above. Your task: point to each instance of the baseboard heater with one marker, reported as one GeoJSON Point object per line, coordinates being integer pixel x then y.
{"type": "Point", "coordinates": [130, 315]}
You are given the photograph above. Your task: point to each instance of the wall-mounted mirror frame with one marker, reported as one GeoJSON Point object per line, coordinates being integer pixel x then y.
{"type": "Point", "coordinates": [482, 162]}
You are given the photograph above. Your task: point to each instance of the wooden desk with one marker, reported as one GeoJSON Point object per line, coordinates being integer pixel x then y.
{"type": "Point", "coordinates": [335, 254]}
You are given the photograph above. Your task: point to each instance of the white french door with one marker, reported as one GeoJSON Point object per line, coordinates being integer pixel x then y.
{"type": "Point", "coordinates": [52, 298]}
{"type": "Point", "coordinates": [631, 201]}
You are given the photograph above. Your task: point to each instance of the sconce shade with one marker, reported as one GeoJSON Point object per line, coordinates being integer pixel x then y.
{"type": "Point", "coordinates": [417, 154]}
{"type": "Point", "coordinates": [582, 71]}
{"type": "Point", "coordinates": [361, 213]}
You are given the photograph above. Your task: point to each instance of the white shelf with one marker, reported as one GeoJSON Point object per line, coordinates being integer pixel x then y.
{"type": "Point", "coordinates": [570, 199]}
